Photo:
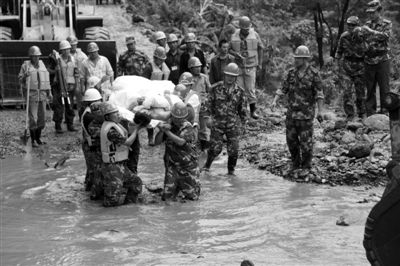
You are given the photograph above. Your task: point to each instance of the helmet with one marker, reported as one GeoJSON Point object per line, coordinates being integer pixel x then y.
{"type": "Point", "coordinates": [91, 95]}
{"type": "Point", "coordinates": [186, 78]}
{"type": "Point", "coordinates": [180, 87]}
{"type": "Point", "coordinates": [353, 20]}
{"type": "Point", "coordinates": [92, 81]}
{"type": "Point", "coordinates": [244, 22]}
{"type": "Point", "coordinates": [190, 37]}
{"type": "Point", "coordinates": [179, 110]}
{"type": "Point", "coordinates": [373, 6]}
{"type": "Point", "coordinates": [194, 62]}
{"type": "Point", "coordinates": [109, 108]}
{"type": "Point", "coordinates": [159, 35]}
{"type": "Point", "coordinates": [231, 69]}
{"type": "Point", "coordinates": [130, 39]}
{"type": "Point", "coordinates": [72, 40]}
{"type": "Point", "coordinates": [64, 45]}
{"type": "Point", "coordinates": [302, 52]}
{"type": "Point", "coordinates": [34, 50]}
{"type": "Point", "coordinates": [160, 53]}
{"type": "Point", "coordinates": [172, 38]}
{"type": "Point", "coordinates": [92, 47]}
{"type": "Point", "coordinates": [96, 108]}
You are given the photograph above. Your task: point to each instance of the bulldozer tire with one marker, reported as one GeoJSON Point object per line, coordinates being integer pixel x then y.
{"type": "Point", "coordinates": [6, 33]}
{"type": "Point", "coordinates": [97, 34]}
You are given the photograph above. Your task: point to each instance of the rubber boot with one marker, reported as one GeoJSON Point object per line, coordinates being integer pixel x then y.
{"type": "Point", "coordinates": [231, 165]}
{"type": "Point", "coordinates": [33, 138]}
{"type": "Point", "coordinates": [59, 129]}
{"type": "Point", "coordinates": [38, 136]}
{"type": "Point", "coordinates": [71, 128]}
{"type": "Point", "coordinates": [253, 111]}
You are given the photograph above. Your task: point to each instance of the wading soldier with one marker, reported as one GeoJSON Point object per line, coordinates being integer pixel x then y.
{"type": "Point", "coordinates": [377, 33]}
{"type": "Point", "coordinates": [35, 77]}
{"type": "Point", "coordinates": [132, 61]}
{"type": "Point", "coordinates": [303, 87]}
{"type": "Point", "coordinates": [227, 107]}
{"type": "Point", "coordinates": [247, 48]}
{"type": "Point", "coordinates": [351, 53]}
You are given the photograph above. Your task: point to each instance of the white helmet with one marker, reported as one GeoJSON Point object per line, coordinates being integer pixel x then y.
{"type": "Point", "coordinates": [92, 81]}
{"type": "Point", "coordinates": [91, 95]}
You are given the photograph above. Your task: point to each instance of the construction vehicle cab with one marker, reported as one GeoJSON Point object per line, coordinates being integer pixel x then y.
{"type": "Point", "coordinates": [45, 23]}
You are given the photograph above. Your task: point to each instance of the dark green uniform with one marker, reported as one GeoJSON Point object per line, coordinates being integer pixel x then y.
{"type": "Point", "coordinates": [302, 90]}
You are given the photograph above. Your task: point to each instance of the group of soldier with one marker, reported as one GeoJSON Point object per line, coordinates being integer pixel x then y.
{"type": "Point", "coordinates": [224, 87]}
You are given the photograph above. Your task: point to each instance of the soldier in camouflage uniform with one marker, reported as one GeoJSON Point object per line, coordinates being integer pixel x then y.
{"type": "Point", "coordinates": [303, 87]}
{"type": "Point", "coordinates": [351, 51]}
{"type": "Point", "coordinates": [226, 104]}
{"type": "Point", "coordinates": [132, 61]}
{"type": "Point", "coordinates": [181, 157]}
{"type": "Point", "coordinates": [120, 184]}
{"type": "Point", "coordinates": [377, 32]}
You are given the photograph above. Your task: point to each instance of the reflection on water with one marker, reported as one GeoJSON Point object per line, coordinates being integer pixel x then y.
{"type": "Point", "coordinates": [47, 219]}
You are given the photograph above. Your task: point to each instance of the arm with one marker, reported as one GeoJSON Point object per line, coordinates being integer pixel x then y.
{"type": "Point", "coordinates": [260, 51]}
{"type": "Point", "coordinates": [319, 94]}
{"type": "Point", "coordinates": [211, 74]}
{"type": "Point", "coordinates": [178, 140]}
{"type": "Point", "coordinates": [279, 92]}
{"type": "Point", "coordinates": [109, 72]}
{"type": "Point", "coordinates": [381, 35]}
{"type": "Point", "coordinates": [242, 110]}
{"type": "Point", "coordinates": [120, 66]}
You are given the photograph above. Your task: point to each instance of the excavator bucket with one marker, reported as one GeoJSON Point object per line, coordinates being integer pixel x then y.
{"type": "Point", "coordinates": [14, 52]}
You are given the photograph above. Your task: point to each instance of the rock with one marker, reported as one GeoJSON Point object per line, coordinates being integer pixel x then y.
{"type": "Point", "coordinates": [340, 124]}
{"type": "Point", "coordinates": [354, 125]}
{"type": "Point", "coordinates": [348, 137]}
{"type": "Point", "coordinates": [342, 221]}
{"type": "Point", "coordinates": [274, 120]}
{"type": "Point", "coordinates": [360, 150]}
{"type": "Point", "coordinates": [377, 122]}
{"type": "Point", "coordinates": [329, 116]}
{"type": "Point", "coordinates": [137, 18]}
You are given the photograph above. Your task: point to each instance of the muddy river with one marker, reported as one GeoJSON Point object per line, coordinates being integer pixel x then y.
{"type": "Point", "coordinates": [48, 219]}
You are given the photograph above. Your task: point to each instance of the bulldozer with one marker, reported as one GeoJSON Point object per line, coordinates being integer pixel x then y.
{"type": "Point", "coordinates": [45, 23]}
{"type": "Point", "coordinates": [382, 228]}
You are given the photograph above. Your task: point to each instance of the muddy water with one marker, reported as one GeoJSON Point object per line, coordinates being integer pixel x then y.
{"type": "Point", "coordinates": [47, 219]}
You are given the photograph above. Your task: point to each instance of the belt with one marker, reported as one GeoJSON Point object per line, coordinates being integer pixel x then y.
{"type": "Point", "coordinates": [354, 59]}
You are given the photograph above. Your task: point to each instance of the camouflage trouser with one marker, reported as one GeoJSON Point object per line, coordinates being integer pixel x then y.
{"type": "Point", "coordinates": [93, 178]}
{"type": "Point", "coordinates": [120, 184]}
{"type": "Point", "coordinates": [348, 95]}
{"type": "Point", "coordinates": [299, 138]}
{"type": "Point", "coordinates": [216, 142]}
{"type": "Point", "coordinates": [133, 156]}
{"type": "Point", "coordinates": [180, 179]}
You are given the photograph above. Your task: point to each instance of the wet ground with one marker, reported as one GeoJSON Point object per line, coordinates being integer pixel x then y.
{"type": "Point", "coordinates": [47, 219]}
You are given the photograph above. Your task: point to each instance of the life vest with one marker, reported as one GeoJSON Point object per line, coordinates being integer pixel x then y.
{"type": "Point", "coordinates": [251, 55]}
{"type": "Point", "coordinates": [86, 134]}
{"type": "Point", "coordinates": [38, 90]}
{"type": "Point", "coordinates": [159, 73]}
{"type": "Point", "coordinates": [68, 69]}
{"type": "Point", "coordinates": [110, 152]}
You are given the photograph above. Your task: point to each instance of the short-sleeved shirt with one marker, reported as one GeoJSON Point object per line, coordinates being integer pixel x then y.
{"type": "Point", "coordinates": [97, 68]}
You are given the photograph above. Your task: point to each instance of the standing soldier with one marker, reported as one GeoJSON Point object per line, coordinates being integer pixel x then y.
{"type": "Point", "coordinates": [227, 105]}
{"type": "Point", "coordinates": [158, 70]}
{"type": "Point", "coordinates": [79, 57]}
{"type": "Point", "coordinates": [304, 87]}
{"type": "Point", "coordinates": [247, 48]}
{"type": "Point", "coordinates": [219, 62]}
{"type": "Point", "coordinates": [99, 66]}
{"type": "Point", "coordinates": [192, 51]}
{"type": "Point", "coordinates": [377, 33]}
{"type": "Point", "coordinates": [161, 39]}
{"type": "Point", "coordinates": [34, 77]}
{"type": "Point", "coordinates": [350, 50]}
{"type": "Point", "coordinates": [132, 61]}
{"type": "Point", "coordinates": [173, 58]}
{"type": "Point", "coordinates": [120, 184]}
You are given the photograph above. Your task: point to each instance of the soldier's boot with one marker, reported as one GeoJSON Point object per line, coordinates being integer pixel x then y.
{"type": "Point", "coordinates": [38, 136]}
{"type": "Point", "coordinates": [253, 110]}
{"type": "Point", "coordinates": [306, 162]}
{"type": "Point", "coordinates": [231, 165]}
{"type": "Point", "coordinates": [58, 128]}
{"type": "Point", "coordinates": [150, 135]}
{"type": "Point", "coordinates": [71, 128]}
{"type": "Point", "coordinates": [207, 165]}
{"type": "Point", "coordinates": [33, 138]}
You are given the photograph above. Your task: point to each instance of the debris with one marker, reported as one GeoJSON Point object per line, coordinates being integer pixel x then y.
{"type": "Point", "coordinates": [377, 122]}
{"type": "Point", "coordinates": [342, 221]}
{"type": "Point", "coordinates": [61, 162]}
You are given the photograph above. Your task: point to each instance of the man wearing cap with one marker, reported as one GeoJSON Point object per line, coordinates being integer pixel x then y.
{"type": "Point", "coordinates": [132, 61]}
{"type": "Point", "coordinates": [377, 32]}
{"type": "Point", "coordinates": [227, 107]}
{"type": "Point", "coordinates": [35, 77]}
{"type": "Point", "coordinates": [247, 48]}
{"type": "Point", "coordinates": [304, 88]}
{"type": "Point", "coordinates": [350, 52]}
{"type": "Point", "coordinates": [173, 58]}
{"type": "Point", "coordinates": [79, 57]}
{"type": "Point", "coordinates": [66, 80]}
{"type": "Point", "coordinates": [181, 158]}
{"type": "Point", "coordinates": [99, 66]}
{"type": "Point", "coordinates": [158, 70]}
{"type": "Point", "coordinates": [192, 51]}
{"type": "Point", "coordinates": [219, 62]}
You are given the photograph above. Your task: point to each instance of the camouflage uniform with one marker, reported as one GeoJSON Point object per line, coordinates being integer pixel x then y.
{"type": "Point", "coordinates": [303, 92]}
{"type": "Point", "coordinates": [377, 61]}
{"type": "Point", "coordinates": [132, 63]}
{"type": "Point", "coordinates": [202, 86]}
{"type": "Point", "coordinates": [351, 49]}
{"type": "Point", "coordinates": [226, 106]}
{"type": "Point", "coordinates": [181, 164]}
{"type": "Point", "coordinates": [120, 184]}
